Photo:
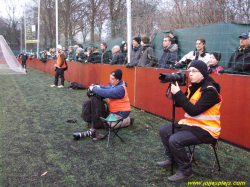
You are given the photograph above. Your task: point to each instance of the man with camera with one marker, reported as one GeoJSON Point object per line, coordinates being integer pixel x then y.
{"type": "Point", "coordinates": [201, 103]}
{"type": "Point", "coordinates": [117, 95]}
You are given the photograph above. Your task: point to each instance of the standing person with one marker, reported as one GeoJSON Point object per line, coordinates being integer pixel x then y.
{"type": "Point", "coordinates": [170, 54]}
{"type": "Point", "coordinates": [200, 53]}
{"type": "Point", "coordinates": [95, 56]}
{"type": "Point", "coordinates": [118, 57]}
{"type": "Point", "coordinates": [174, 38]}
{"type": "Point", "coordinates": [24, 58]}
{"type": "Point", "coordinates": [240, 59]}
{"type": "Point", "coordinates": [106, 55]}
{"type": "Point", "coordinates": [60, 66]}
{"type": "Point", "coordinates": [71, 54]}
{"type": "Point", "coordinates": [117, 95]}
{"type": "Point", "coordinates": [148, 57]}
{"type": "Point", "coordinates": [136, 52]}
{"type": "Point", "coordinates": [201, 103]}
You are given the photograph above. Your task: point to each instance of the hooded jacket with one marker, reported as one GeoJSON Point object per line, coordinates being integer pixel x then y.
{"type": "Point", "coordinates": [169, 57]}
{"type": "Point", "coordinates": [148, 57]}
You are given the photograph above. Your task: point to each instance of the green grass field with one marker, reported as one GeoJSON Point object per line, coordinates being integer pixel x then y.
{"type": "Point", "coordinates": [38, 149]}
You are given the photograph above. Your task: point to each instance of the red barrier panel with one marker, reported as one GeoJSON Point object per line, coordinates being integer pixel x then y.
{"type": "Point", "coordinates": [145, 92]}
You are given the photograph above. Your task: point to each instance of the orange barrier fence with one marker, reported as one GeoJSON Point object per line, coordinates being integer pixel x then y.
{"type": "Point", "coordinates": [145, 92]}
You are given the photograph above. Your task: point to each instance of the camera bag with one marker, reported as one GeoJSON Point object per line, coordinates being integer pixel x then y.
{"type": "Point", "coordinates": [93, 108]}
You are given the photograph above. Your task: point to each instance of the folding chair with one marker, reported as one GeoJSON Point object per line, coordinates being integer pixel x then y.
{"type": "Point", "coordinates": [112, 125]}
{"type": "Point", "coordinates": [215, 147]}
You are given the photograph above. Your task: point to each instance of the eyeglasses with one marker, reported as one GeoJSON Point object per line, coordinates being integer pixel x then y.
{"type": "Point", "coordinates": [193, 71]}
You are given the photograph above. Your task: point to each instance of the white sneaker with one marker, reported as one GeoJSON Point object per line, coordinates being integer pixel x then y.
{"type": "Point", "coordinates": [52, 86]}
{"type": "Point", "coordinates": [61, 86]}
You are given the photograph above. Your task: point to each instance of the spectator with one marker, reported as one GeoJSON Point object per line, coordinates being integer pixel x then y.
{"type": "Point", "coordinates": [125, 53]}
{"type": "Point", "coordinates": [24, 57]}
{"type": "Point", "coordinates": [80, 56]}
{"type": "Point", "coordinates": [44, 56]}
{"type": "Point", "coordinates": [148, 57]}
{"type": "Point", "coordinates": [240, 59]}
{"type": "Point", "coordinates": [60, 67]}
{"type": "Point", "coordinates": [174, 38]}
{"type": "Point", "coordinates": [122, 46]}
{"type": "Point", "coordinates": [106, 56]}
{"type": "Point", "coordinates": [33, 55]}
{"type": "Point", "coordinates": [199, 53]}
{"type": "Point", "coordinates": [118, 57]}
{"type": "Point", "coordinates": [53, 53]}
{"type": "Point", "coordinates": [136, 52]}
{"type": "Point", "coordinates": [214, 63]}
{"type": "Point", "coordinates": [201, 103]}
{"type": "Point", "coordinates": [71, 54]}
{"type": "Point", "coordinates": [170, 54]}
{"type": "Point", "coordinates": [119, 103]}
{"type": "Point", "coordinates": [95, 56]}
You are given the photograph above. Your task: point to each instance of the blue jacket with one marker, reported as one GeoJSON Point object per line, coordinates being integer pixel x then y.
{"type": "Point", "coordinates": [113, 92]}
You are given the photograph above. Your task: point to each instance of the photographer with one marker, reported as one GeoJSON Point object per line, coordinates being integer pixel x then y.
{"type": "Point", "coordinates": [201, 103]}
{"type": "Point", "coordinates": [118, 97]}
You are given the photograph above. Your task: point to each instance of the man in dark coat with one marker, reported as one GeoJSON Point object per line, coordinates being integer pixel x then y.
{"type": "Point", "coordinates": [170, 54]}
{"type": "Point", "coordinates": [24, 57]}
{"type": "Point", "coordinates": [148, 57]}
{"type": "Point", "coordinates": [118, 57]}
{"type": "Point", "coordinates": [136, 52]}
{"type": "Point", "coordinates": [240, 59]}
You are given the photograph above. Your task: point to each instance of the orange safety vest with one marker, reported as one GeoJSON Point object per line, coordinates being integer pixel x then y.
{"type": "Point", "coordinates": [208, 120]}
{"type": "Point", "coordinates": [59, 61]}
{"type": "Point", "coordinates": [120, 104]}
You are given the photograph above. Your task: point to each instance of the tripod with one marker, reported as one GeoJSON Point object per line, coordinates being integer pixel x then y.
{"type": "Point", "coordinates": [172, 120]}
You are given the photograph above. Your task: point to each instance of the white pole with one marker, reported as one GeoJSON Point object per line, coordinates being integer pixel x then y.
{"type": "Point", "coordinates": [21, 42]}
{"type": "Point", "coordinates": [56, 25]}
{"type": "Point", "coordinates": [129, 29]}
{"type": "Point", "coordinates": [38, 29]}
{"type": "Point", "coordinates": [24, 29]}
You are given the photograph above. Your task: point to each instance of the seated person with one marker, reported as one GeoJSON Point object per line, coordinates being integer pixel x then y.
{"type": "Point", "coordinates": [201, 103]}
{"type": "Point", "coordinates": [170, 54]}
{"type": "Point", "coordinates": [240, 59]}
{"type": "Point", "coordinates": [199, 53]}
{"type": "Point", "coordinates": [148, 57]}
{"type": "Point", "coordinates": [118, 57]}
{"type": "Point", "coordinates": [95, 56]}
{"type": "Point", "coordinates": [214, 63]}
{"type": "Point", "coordinates": [117, 95]}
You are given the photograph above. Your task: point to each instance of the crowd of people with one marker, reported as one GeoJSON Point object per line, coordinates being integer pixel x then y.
{"type": "Point", "coordinates": [143, 54]}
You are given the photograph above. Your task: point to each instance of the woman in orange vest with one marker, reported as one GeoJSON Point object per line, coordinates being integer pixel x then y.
{"type": "Point", "coordinates": [60, 67]}
{"type": "Point", "coordinates": [201, 103]}
{"type": "Point", "coordinates": [117, 95]}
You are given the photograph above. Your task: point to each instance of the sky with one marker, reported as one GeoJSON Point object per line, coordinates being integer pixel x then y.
{"type": "Point", "coordinates": [18, 3]}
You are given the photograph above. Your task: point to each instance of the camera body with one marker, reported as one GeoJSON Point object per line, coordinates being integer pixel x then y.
{"type": "Point", "coordinates": [180, 77]}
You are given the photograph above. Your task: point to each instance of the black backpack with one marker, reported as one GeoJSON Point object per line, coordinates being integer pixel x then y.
{"type": "Point", "coordinates": [76, 86]}
{"type": "Point", "coordinates": [93, 108]}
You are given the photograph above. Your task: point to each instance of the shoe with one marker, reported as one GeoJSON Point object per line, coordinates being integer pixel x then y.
{"type": "Point", "coordinates": [52, 86]}
{"type": "Point", "coordinates": [178, 177]}
{"type": "Point", "coordinates": [61, 86]}
{"type": "Point", "coordinates": [132, 121]}
{"type": "Point", "coordinates": [164, 163]}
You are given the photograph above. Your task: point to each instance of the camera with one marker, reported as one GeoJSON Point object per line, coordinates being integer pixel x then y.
{"type": "Point", "coordinates": [90, 133]}
{"type": "Point", "coordinates": [180, 77]}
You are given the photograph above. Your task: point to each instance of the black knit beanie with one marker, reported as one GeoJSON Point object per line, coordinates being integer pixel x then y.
{"type": "Point", "coordinates": [201, 66]}
{"type": "Point", "coordinates": [117, 74]}
{"type": "Point", "coordinates": [137, 39]}
{"type": "Point", "coordinates": [217, 55]}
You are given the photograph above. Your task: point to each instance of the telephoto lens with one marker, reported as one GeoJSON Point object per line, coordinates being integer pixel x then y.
{"type": "Point", "coordinates": [90, 133]}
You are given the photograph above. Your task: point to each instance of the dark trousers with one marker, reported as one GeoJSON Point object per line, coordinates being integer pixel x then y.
{"type": "Point", "coordinates": [175, 144]}
{"type": "Point", "coordinates": [24, 64]}
{"type": "Point", "coordinates": [59, 71]}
